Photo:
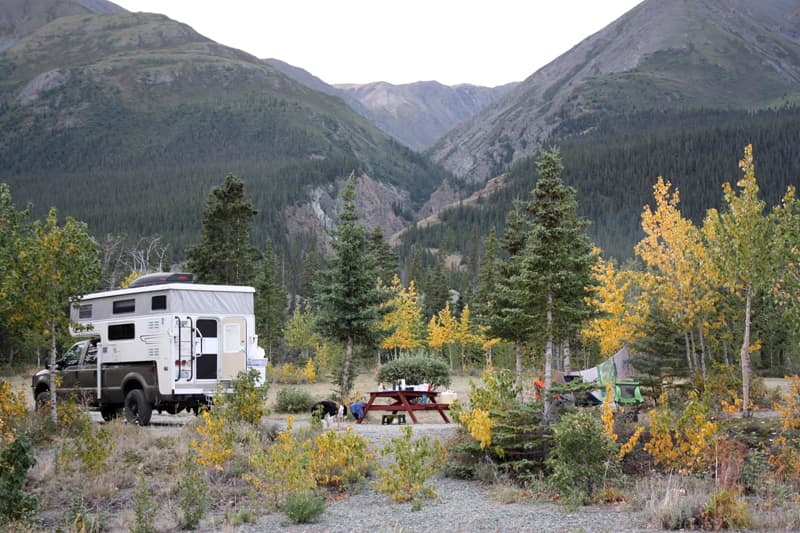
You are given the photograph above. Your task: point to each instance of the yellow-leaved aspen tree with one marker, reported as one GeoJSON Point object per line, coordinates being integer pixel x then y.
{"type": "Point", "coordinates": [670, 248]}
{"type": "Point", "coordinates": [739, 246]}
{"type": "Point", "coordinates": [58, 265]}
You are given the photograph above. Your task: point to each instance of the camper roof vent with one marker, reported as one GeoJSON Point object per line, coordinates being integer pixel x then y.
{"type": "Point", "coordinates": [162, 277]}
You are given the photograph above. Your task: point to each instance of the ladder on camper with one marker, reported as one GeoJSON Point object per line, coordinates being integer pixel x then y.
{"type": "Point", "coordinates": [184, 363]}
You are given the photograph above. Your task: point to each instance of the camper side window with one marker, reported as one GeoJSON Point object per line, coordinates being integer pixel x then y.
{"type": "Point", "coordinates": [121, 332]}
{"type": "Point", "coordinates": [158, 303]}
{"type": "Point", "coordinates": [124, 306]}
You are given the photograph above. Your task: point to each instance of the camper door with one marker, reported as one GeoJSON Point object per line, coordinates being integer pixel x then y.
{"type": "Point", "coordinates": [234, 353]}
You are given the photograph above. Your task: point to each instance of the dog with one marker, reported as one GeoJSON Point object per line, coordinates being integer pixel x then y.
{"type": "Point", "coordinates": [328, 410]}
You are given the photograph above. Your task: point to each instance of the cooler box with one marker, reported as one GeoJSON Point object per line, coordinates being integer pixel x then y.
{"type": "Point", "coordinates": [447, 397]}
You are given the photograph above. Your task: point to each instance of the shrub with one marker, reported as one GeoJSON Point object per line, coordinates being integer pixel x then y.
{"type": "Point", "coordinates": [340, 459]}
{"type": "Point", "coordinates": [144, 508]}
{"type": "Point", "coordinates": [416, 369]}
{"type": "Point", "coordinates": [786, 455]}
{"type": "Point", "coordinates": [683, 443]}
{"type": "Point", "coordinates": [725, 511]}
{"type": "Point", "coordinates": [519, 444]}
{"type": "Point", "coordinates": [16, 458]}
{"type": "Point", "coordinates": [289, 374]}
{"type": "Point", "coordinates": [293, 400]}
{"type": "Point", "coordinates": [216, 441]}
{"type": "Point", "coordinates": [583, 457]}
{"type": "Point", "coordinates": [83, 440]}
{"type": "Point", "coordinates": [192, 493]}
{"type": "Point", "coordinates": [674, 502]}
{"type": "Point", "coordinates": [248, 399]}
{"type": "Point", "coordinates": [304, 508]}
{"type": "Point", "coordinates": [13, 412]}
{"type": "Point", "coordinates": [282, 469]}
{"type": "Point", "coordinates": [414, 462]}
{"type": "Point", "coordinates": [80, 519]}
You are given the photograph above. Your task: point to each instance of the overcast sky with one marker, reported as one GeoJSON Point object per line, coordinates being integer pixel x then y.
{"type": "Point", "coordinates": [487, 42]}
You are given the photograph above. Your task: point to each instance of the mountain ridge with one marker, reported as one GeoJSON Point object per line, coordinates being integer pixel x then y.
{"type": "Point", "coordinates": [648, 58]}
{"type": "Point", "coordinates": [126, 120]}
{"type": "Point", "coordinates": [416, 114]}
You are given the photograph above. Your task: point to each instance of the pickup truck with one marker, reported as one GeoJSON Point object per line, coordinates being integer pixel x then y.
{"type": "Point", "coordinates": [130, 387]}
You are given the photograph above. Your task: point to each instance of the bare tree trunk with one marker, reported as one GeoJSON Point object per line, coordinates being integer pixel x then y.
{"type": "Point", "coordinates": [725, 353]}
{"type": "Point", "coordinates": [702, 352]}
{"type": "Point", "coordinates": [518, 367]}
{"type": "Point", "coordinates": [567, 361]}
{"type": "Point", "coordinates": [348, 357]}
{"type": "Point", "coordinates": [688, 350]}
{"type": "Point", "coordinates": [548, 357]}
{"type": "Point", "coordinates": [53, 355]}
{"type": "Point", "coordinates": [745, 356]}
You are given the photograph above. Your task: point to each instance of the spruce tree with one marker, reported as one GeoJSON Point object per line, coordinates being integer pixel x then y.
{"type": "Point", "coordinates": [225, 254]}
{"type": "Point", "coordinates": [557, 260]}
{"type": "Point", "coordinates": [347, 298]}
{"type": "Point", "coordinates": [385, 257]}
{"type": "Point", "coordinates": [510, 319]}
{"type": "Point", "coordinates": [270, 302]}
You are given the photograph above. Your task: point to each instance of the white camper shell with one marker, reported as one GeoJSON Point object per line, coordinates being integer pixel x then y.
{"type": "Point", "coordinates": [195, 336]}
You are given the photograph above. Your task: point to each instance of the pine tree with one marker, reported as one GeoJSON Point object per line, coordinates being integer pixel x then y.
{"type": "Point", "coordinates": [510, 319]}
{"type": "Point", "coordinates": [225, 254]}
{"type": "Point", "coordinates": [385, 256]}
{"type": "Point", "coordinates": [436, 289]}
{"type": "Point", "coordinates": [488, 277]}
{"type": "Point", "coordinates": [556, 262]}
{"type": "Point", "coordinates": [309, 272]}
{"type": "Point", "coordinates": [270, 302]}
{"type": "Point", "coordinates": [347, 295]}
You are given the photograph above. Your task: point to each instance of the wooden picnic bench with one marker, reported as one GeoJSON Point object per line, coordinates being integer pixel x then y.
{"type": "Point", "coordinates": [406, 401]}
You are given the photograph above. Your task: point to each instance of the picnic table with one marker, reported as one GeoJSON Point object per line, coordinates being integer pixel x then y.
{"type": "Point", "coordinates": [406, 401]}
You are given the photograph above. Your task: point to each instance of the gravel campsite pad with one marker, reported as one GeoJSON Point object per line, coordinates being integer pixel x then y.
{"type": "Point", "coordinates": [460, 505]}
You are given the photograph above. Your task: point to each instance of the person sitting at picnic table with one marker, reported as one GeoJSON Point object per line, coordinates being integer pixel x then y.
{"type": "Point", "coordinates": [357, 408]}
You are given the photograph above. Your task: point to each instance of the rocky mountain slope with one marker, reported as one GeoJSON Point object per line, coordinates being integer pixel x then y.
{"type": "Point", "coordinates": [416, 114]}
{"type": "Point", "coordinates": [663, 54]}
{"type": "Point", "coordinates": [20, 18]}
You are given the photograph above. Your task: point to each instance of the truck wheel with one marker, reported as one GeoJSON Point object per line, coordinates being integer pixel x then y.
{"type": "Point", "coordinates": [109, 413]}
{"type": "Point", "coordinates": [42, 400]}
{"type": "Point", "coordinates": [137, 410]}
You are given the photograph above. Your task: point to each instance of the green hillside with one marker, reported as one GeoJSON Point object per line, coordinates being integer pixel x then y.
{"type": "Point", "coordinates": [126, 121]}
{"type": "Point", "coordinates": [613, 162]}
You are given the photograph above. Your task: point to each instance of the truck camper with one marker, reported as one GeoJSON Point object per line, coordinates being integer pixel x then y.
{"type": "Point", "coordinates": [163, 344]}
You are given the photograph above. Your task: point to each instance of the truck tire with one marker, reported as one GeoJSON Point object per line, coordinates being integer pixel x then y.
{"type": "Point", "coordinates": [42, 400]}
{"type": "Point", "coordinates": [137, 409]}
{"type": "Point", "coordinates": [109, 413]}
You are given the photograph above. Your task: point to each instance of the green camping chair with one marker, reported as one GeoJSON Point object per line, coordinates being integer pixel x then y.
{"type": "Point", "coordinates": [628, 393]}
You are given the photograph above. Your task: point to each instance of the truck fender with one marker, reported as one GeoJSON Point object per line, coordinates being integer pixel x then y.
{"type": "Point", "coordinates": [134, 380]}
